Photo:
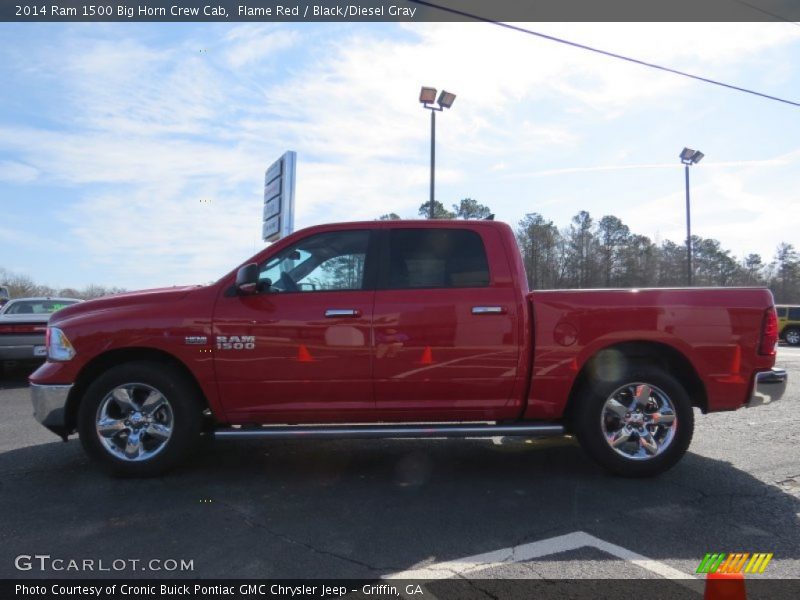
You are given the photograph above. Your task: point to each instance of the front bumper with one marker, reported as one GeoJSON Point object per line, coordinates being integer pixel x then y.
{"type": "Point", "coordinates": [769, 387]}
{"type": "Point", "coordinates": [49, 406]}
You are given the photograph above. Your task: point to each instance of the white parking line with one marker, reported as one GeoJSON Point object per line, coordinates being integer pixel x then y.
{"type": "Point", "coordinates": [564, 543]}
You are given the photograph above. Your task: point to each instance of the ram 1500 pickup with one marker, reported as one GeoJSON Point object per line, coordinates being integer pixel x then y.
{"type": "Point", "coordinates": [401, 329]}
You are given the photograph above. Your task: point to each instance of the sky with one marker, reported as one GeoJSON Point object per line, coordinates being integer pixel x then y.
{"type": "Point", "coordinates": [133, 154]}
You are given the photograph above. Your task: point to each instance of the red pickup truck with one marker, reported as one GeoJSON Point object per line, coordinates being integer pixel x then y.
{"type": "Point", "coordinates": [401, 329]}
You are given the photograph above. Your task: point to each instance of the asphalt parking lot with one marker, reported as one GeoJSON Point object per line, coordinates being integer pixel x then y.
{"type": "Point", "coordinates": [367, 509]}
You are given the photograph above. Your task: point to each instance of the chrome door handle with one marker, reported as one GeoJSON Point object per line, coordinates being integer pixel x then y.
{"type": "Point", "coordinates": [334, 313]}
{"type": "Point", "coordinates": [488, 310]}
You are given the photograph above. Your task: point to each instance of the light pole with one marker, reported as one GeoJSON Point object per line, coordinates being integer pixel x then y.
{"type": "Point", "coordinates": [427, 95]}
{"type": "Point", "coordinates": [689, 157]}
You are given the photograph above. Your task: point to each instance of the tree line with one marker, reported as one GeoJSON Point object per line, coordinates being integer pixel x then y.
{"type": "Point", "coordinates": [587, 253]}
{"type": "Point", "coordinates": [20, 286]}
{"type": "Point", "coordinates": [605, 253]}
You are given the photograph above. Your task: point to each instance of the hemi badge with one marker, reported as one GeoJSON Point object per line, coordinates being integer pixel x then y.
{"type": "Point", "coordinates": [195, 340]}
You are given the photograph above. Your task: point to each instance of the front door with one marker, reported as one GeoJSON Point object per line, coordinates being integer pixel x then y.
{"type": "Point", "coordinates": [300, 349]}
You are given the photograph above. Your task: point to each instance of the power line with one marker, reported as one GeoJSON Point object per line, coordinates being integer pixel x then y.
{"type": "Point", "coordinates": [766, 12]}
{"type": "Point", "coordinates": [603, 52]}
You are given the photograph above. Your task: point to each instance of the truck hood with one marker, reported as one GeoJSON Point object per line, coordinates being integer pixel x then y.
{"type": "Point", "coordinates": [155, 296]}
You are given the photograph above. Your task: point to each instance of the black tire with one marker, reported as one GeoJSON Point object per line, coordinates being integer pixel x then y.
{"type": "Point", "coordinates": [182, 412]}
{"type": "Point", "coordinates": [592, 417]}
{"type": "Point", "coordinates": [792, 336]}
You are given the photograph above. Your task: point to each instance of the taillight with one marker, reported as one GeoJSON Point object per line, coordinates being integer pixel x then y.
{"type": "Point", "coordinates": [23, 328]}
{"type": "Point", "coordinates": [769, 333]}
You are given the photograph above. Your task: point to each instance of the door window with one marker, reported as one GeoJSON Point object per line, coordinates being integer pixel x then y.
{"type": "Point", "coordinates": [323, 262]}
{"type": "Point", "coordinates": [436, 258]}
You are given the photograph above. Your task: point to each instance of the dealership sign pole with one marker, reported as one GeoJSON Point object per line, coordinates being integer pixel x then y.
{"type": "Point", "coordinates": [279, 183]}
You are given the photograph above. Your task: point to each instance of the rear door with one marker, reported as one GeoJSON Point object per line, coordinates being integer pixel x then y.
{"type": "Point", "coordinates": [446, 325]}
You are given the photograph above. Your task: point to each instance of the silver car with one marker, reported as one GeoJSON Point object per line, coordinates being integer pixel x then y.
{"type": "Point", "coordinates": [23, 323]}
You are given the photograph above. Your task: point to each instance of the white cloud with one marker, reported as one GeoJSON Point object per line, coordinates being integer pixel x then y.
{"type": "Point", "coordinates": [637, 167]}
{"type": "Point", "coordinates": [148, 127]}
{"type": "Point", "coordinates": [747, 208]}
{"type": "Point", "coordinates": [162, 235]}
{"type": "Point", "coordinates": [252, 43]}
{"type": "Point", "coordinates": [86, 157]}
{"type": "Point", "coordinates": [16, 172]}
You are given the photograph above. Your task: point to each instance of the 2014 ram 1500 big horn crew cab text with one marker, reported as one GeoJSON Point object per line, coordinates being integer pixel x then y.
{"type": "Point", "coordinates": [401, 329]}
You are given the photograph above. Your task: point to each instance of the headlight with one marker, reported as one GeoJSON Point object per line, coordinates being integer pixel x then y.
{"type": "Point", "coordinates": [58, 346]}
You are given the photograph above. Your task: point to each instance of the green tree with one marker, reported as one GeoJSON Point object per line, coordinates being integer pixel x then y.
{"type": "Point", "coordinates": [439, 211]}
{"type": "Point", "coordinates": [638, 263]}
{"type": "Point", "coordinates": [22, 285]}
{"type": "Point", "coordinates": [612, 236]}
{"type": "Point", "coordinates": [95, 291]}
{"type": "Point", "coordinates": [580, 249]}
{"type": "Point", "coordinates": [671, 265]}
{"type": "Point", "coordinates": [712, 265]}
{"type": "Point", "coordinates": [539, 244]}
{"type": "Point", "coordinates": [341, 273]}
{"type": "Point", "coordinates": [785, 282]}
{"type": "Point", "coordinates": [469, 208]}
{"type": "Point", "coordinates": [389, 217]}
{"type": "Point", "coordinates": [752, 270]}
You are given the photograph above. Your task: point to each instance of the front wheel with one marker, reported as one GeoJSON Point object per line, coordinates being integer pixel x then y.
{"type": "Point", "coordinates": [140, 419]}
{"type": "Point", "coordinates": [792, 336]}
{"type": "Point", "coordinates": [637, 425]}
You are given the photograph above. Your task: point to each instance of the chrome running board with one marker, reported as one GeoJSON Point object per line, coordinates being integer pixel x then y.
{"type": "Point", "coordinates": [434, 430]}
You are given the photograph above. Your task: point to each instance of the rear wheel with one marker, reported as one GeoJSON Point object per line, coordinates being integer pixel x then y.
{"type": "Point", "coordinates": [638, 425]}
{"type": "Point", "coordinates": [792, 336]}
{"type": "Point", "coordinates": [140, 419]}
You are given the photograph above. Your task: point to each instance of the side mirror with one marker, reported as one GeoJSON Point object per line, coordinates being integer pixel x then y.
{"type": "Point", "coordinates": [247, 279]}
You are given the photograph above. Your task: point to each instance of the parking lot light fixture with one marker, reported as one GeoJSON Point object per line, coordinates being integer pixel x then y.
{"type": "Point", "coordinates": [427, 97]}
{"type": "Point", "coordinates": [689, 157]}
{"type": "Point", "coordinates": [446, 99]}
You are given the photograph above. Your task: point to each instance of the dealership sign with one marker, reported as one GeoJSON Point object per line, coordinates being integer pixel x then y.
{"type": "Point", "coordinates": [278, 213]}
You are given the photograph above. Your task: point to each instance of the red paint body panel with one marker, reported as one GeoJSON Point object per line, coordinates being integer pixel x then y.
{"type": "Point", "coordinates": [717, 330]}
{"type": "Point", "coordinates": [152, 320]}
{"type": "Point", "coordinates": [415, 354]}
{"type": "Point", "coordinates": [303, 363]}
{"type": "Point", "coordinates": [435, 359]}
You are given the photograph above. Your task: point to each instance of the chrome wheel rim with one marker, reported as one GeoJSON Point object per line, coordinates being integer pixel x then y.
{"type": "Point", "coordinates": [134, 422]}
{"type": "Point", "coordinates": [793, 337]}
{"type": "Point", "coordinates": [638, 421]}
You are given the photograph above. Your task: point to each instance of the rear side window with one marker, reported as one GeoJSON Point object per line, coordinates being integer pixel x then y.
{"type": "Point", "coordinates": [794, 313]}
{"type": "Point", "coordinates": [436, 258]}
{"type": "Point", "coordinates": [781, 311]}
